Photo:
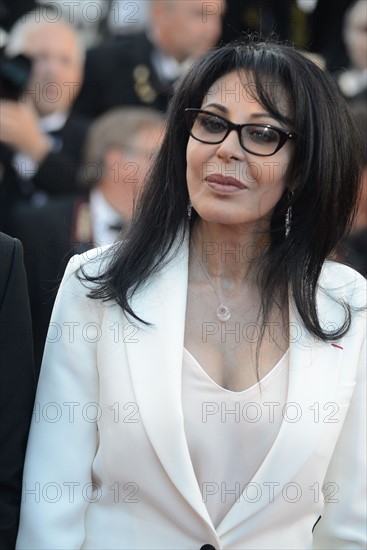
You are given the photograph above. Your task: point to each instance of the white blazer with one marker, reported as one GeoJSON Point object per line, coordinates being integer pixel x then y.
{"type": "Point", "coordinates": [108, 465]}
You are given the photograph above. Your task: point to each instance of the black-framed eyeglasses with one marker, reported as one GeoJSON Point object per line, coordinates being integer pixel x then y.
{"type": "Point", "coordinates": [259, 139]}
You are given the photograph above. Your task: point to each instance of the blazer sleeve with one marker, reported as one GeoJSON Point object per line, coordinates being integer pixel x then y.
{"type": "Point", "coordinates": [17, 384]}
{"type": "Point", "coordinates": [63, 437]}
{"type": "Point", "coordinates": [343, 521]}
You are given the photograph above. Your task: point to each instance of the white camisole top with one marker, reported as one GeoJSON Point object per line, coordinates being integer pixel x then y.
{"type": "Point", "coordinates": [230, 433]}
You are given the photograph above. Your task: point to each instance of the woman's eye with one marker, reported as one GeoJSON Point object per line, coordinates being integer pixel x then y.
{"type": "Point", "coordinates": [212, 124]}
{"type": "Point", "coordinates": [262, 135]}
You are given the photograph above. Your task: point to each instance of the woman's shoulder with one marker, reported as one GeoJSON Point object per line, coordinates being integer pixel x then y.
{"type": "Point", "coordinates": [340, 274]}
{"type": "Point", "coordinates": [84, 270]}
{"type": "Point", "coordinates": [93, 261]}
{"type": "Point", "coordinates": [343, 282]}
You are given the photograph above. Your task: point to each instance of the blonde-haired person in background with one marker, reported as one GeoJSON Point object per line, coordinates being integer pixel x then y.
{"type": "Point", "coordinates": [118, 152]}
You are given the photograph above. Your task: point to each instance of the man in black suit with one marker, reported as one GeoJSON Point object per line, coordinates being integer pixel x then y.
{"type": "Point", "coordinates": [17, 384]}
{"type": "Point", "coordinates": [140, 69]}
{"type": "Point", "coordinates": [40, 141]}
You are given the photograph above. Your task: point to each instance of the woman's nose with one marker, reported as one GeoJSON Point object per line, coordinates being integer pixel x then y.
{"type": "Point", "coordinates": [231, 147]}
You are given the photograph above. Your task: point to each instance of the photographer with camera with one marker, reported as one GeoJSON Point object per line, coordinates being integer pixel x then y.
{"type": "Point", "coordinates": [40, 140]}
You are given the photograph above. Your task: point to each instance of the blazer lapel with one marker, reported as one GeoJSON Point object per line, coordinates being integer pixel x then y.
{"type": "Point", "coordinates": [314, 369]}
{"type": "Point", "coordinates": [156, 367]}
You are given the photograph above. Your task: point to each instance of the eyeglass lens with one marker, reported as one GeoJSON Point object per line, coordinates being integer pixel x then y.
{"type": "Point", "coordinates": [254, 137]}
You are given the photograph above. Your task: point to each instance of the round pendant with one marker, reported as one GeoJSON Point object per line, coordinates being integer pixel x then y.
{"type": "Point", "coordinates": [223, 313]}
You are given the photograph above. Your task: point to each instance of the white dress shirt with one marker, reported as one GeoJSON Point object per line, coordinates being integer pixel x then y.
{"type": "Point", "coordinates": [104, 217]}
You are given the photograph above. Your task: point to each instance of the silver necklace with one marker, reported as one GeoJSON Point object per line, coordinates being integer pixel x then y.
{"type": "Point", "coordinates": [223, 312]}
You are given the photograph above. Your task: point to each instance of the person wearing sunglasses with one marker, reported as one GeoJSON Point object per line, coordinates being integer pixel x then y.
{"type": "Point", "coordinates": [202, 384]}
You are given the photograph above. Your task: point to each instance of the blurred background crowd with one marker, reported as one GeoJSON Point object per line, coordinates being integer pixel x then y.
{"type": "Point", "coordinates": [84, 90]}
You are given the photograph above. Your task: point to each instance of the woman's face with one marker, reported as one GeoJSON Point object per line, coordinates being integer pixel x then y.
{"type": "Point", "coordinates": [226, 184]}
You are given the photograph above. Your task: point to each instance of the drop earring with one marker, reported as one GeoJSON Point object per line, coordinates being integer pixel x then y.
{"type": "Point", "coordinates": [288, 216]}
{"type": "Point", "coordinates": [189, 209]}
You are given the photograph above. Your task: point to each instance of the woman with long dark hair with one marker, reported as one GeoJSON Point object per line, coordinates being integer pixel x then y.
{"type": "Point", "coordinates": [202, 384]}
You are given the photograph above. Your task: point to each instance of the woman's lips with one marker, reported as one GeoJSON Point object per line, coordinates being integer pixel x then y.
{"type": "Point", "coordinates": [224, 184]}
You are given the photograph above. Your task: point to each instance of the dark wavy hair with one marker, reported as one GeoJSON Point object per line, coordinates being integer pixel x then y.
{"type": "Point", "coordinates": [323, 175]}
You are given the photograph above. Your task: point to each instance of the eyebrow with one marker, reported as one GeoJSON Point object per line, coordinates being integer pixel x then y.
{"type": "Point", "coordinates": [217, 106]}
{"type": "Point", "coordinates": [224, 110]}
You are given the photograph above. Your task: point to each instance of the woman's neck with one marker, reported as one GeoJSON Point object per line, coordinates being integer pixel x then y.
{"type": "Point", "coordinates": [228, 252]}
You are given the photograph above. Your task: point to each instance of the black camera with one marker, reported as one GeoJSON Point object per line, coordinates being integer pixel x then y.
{"type": "Point", "coordinates": [14, 74]}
